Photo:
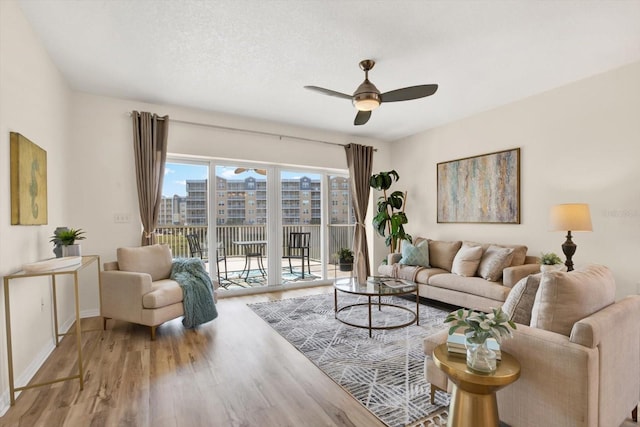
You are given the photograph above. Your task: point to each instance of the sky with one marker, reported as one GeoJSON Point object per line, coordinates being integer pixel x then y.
{"type": "Point", "coordinates": [176, 175]}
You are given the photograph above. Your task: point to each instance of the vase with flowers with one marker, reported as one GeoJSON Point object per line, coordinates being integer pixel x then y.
{"type": "Point", "coordinates": [478, 327]}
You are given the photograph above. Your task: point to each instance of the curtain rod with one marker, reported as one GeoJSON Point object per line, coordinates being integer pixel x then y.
{"type": "Point", "coordinates": [256, 132]}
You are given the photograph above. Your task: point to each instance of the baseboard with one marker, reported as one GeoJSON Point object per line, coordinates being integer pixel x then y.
{"type": "Point", "coordinates": [27, 375]}
{"type": "Point", "coordinates": [41, 357]}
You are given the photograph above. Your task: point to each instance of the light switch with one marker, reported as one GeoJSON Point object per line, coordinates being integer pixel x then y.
{"type": "Point", "coordinates": [121, 218]}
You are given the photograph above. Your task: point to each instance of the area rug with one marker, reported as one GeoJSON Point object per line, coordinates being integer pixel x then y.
{"type": "Point", "coordinates": [385, 373]}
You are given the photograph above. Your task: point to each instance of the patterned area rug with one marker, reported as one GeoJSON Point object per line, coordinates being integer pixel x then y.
{"type": "Point", "coordinates": [385, 373]}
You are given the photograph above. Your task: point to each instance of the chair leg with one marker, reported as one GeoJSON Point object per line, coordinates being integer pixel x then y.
{"type": "Point", "coordinates": [153, 333]}
{"type": "Point", "coordinates": [634, 414]}
{"type": "Point", "coordinates": [104, 323]}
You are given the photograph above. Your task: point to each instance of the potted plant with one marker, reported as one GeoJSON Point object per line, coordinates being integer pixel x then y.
{"type": "Point", "coordinates": [390, 218]}
{"type": "Point", "coordinates": [67, 237]}
{"type": "Point", "coordinates": [345, 259]}
{"type": "Point", "coordinates": [550, 262]}
{"type": "Point", "coordinates": [478, 328]}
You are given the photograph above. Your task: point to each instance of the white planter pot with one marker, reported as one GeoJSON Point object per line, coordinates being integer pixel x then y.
{"type": "Point", "coordinates": [554, 267]}
{"type": "Point", "coordinates": [71, 250]}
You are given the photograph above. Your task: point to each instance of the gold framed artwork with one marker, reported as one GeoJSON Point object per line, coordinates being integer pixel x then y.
{"type": "Point", "coordinates": [480, 189]}
{"type": "Point", "coordinates": [28, 182]}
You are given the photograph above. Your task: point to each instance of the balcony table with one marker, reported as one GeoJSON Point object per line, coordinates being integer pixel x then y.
{"type": "Point", "coordinates": [252, 249]}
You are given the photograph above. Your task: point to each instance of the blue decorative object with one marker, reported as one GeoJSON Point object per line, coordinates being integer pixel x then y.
{"type": "Point", "coordinates": [57, 249]}
{"type": "Point", "coordinates": [415, 255]}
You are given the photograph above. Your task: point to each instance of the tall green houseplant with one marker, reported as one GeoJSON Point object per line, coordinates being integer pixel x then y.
{"type": "Point", "coordinates": [390, 218]}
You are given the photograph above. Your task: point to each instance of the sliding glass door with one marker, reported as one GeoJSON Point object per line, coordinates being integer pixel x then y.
{"type": "Point", "coordinates": [241, 218]}
{"type": "Point", "coordinates": [301, 220]}
{"type": "Point", "coordinates": [183, 221]}
{"type": "Point", "coordinates": [273, 225]}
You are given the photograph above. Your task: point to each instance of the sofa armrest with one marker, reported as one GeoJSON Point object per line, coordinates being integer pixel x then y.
{"type": "Point", "coordinates": [558, 384]}
{"type": "Point", "coordinates": [512, 275]}
{"type": "Point", "coordinates": [615, 333]}
{"type": "Point", "coordinates": [121, 294]}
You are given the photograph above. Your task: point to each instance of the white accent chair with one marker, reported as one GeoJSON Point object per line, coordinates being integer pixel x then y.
{"type": "Point", "coordinates": [137, 287]}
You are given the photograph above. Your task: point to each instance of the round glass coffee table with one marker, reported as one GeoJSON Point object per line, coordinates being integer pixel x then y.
{"type": "Point", "coordinates": [379, 287]}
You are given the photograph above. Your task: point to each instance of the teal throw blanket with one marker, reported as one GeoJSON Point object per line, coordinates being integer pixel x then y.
{"type": "Point", "coordinates": [197, 291]}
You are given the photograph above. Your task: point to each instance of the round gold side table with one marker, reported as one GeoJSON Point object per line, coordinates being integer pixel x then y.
{"type": "Point", "coordinates": [473, 401]}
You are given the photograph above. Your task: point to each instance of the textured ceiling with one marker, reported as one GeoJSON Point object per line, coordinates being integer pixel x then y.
{"type": "Point", "coordinates": [253, 57]}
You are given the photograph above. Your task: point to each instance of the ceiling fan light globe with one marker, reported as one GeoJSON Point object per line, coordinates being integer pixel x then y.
{"type": "Point", "coordinates": [366, 101]}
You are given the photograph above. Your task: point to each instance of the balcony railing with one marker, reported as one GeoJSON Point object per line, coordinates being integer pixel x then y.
{"type": "Point", "coordinates": [175, 236]}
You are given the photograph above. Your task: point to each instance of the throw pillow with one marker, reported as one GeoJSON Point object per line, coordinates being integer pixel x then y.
{"type": "Point", "coordinates": [415, 255]}
{"type": "Point", "coordinates": [494, 260]}
{"type": "Point", "coordinates": [441, 253]}
{"type": "Point", "coordinates": [154, 260]}
{"type": "Point", "coordinates": [466, 261]}
{"type": "Point", "coordinates": [565, 298]}
{"type": "Point", "coordinates": [520, 301]}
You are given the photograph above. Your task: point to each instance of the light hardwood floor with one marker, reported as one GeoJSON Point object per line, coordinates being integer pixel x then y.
{"type": "Point", "coordinates": [233, 371]}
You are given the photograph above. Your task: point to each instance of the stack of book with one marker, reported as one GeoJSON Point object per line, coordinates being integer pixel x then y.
{"type": "Point", "coordinates": [456, 344]}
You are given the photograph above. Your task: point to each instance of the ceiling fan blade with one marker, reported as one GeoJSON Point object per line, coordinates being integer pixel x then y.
{"type": "Point", "coordinates": [239, 170]}
{"type": "Point", "coordinates": [261, 171]}
{"type": "Point", "coordinates": [362, 117]}
{"type": "Point", "coordinates": [408, 93]}
{"type": "Point", "coordinates": [328, 92]}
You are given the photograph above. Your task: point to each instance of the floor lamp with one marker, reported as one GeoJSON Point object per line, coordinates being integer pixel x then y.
{"type": "Point", "coordinates": [570, 217]}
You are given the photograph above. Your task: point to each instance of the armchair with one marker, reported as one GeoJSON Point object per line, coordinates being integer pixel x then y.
{"type": "Point", "coordinates": [579, 357]}
{"type": "Point", "coordinates": [137, 287]}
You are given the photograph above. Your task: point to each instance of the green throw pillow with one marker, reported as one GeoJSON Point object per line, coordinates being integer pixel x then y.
{"type": "Point", "coordinates": [415, 255]}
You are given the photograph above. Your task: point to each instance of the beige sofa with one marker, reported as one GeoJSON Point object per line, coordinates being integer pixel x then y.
{"type": "Point", "coordinates": [466, 274]}
{"type": "Point", "coordinates": [579, 353]}
{"type": "Point", "coordinates": [137, 288]}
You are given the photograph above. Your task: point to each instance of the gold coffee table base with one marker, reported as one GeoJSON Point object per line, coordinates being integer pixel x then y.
{"type": "Point", "coordinates": [473, 400]}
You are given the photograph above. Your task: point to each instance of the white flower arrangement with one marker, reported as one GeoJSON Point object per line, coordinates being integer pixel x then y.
{"type": "Point", "coordinates": [481, 326]}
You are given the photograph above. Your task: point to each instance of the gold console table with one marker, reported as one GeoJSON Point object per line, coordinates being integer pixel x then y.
{"type": "Point", "coordinates": [72, 270]}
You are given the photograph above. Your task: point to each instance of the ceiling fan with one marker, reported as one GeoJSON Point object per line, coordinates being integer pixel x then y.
{"type": "Point", "coordinates": [367, 97]}
{"type": "Point", "coordinates": [258, 171]}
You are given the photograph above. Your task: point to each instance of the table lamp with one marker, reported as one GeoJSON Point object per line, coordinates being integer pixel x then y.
{"type": "Point", "coordinates": [570, 217]}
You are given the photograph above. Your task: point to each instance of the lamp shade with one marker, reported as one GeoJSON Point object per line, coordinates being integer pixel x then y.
{"type": "Point", "coordinates": [570, 217]}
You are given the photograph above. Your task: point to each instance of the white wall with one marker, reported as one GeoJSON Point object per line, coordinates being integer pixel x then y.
{"type": "Point", "coordinates": [579, 143]}
{"type": "Point", "coordinates": [34, 101]}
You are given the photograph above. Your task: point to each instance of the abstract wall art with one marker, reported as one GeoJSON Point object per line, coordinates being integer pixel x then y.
{"type": "Point", "coordinates": [28, 182]}
{"type": "Point", "coordinates": [480, 189]}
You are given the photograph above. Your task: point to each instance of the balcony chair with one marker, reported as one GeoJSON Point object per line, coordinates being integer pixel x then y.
{"type": "Point", "coordinates": [298, 248]}
{"type": "Point", "coordinates": [221, 256]}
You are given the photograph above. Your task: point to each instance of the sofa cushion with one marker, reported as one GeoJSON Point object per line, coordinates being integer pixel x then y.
{"type": "Point", "coordinates": [520, 301]}
{"type": "Point", "coordinates": [417, 254]}
{"type": "Point", "coordinates": [563, 298]}
{"type": "Point", "coordinates": [470, 285]}
{"type": "Point", "coordinates": [441, 253]}
{"type": "Point", "coordinates": [466, 261]}
{"type": "Point", "coordinates": [519, 254]}
{"type": "Point", "coordinates": [163, 293]}
{"type": "Point", "coordinates": [493, 261]}
{"type": "Point", "coordinates": [154, 260]}
{"type": "Point", "coordinates": [519, 251]}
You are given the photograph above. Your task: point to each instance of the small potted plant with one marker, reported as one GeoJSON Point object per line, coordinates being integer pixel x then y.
{"type": "Point", "coordinates": [67, 237]}
{"type": "Point", "coordinates": [478, 328]}
{"type": "Point", "coordinates": [345, 259]}
{"type": "Point", "coordinates": [550, 261]}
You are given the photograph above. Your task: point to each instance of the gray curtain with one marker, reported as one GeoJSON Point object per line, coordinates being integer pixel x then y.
{"type": "Point", "coordinates": [360, 162]}
{"type": "Point", "coordinates": [150, 148]}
